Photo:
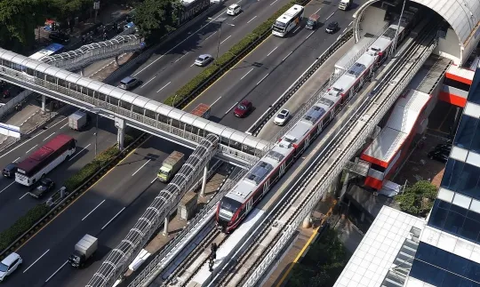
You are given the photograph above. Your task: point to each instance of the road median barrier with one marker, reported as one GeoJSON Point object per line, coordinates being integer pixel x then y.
{"type": "Point", "coordinates": [39, 216]}
{"type": "Point", "coordinates": [270, 112]}
{"type": "Point", "coordinates": [226, 61]}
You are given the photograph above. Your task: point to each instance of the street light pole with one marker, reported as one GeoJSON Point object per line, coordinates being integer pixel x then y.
{"type": "Point", "coordinates": [219, 38]}
{"type": "Point", "coordinates": [96, 134]}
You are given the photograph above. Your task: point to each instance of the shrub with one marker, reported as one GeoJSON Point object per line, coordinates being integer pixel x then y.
{"type": "Point", "coordinates": [418, 199]}
{"type": "Point", "coordinates": [9, 235]}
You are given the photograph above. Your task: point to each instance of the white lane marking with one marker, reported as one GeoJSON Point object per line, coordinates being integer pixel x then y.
{"type": "Point", "coordinates": [16, 159]}
{"type": "Point", "coordinates": [23, 143]}
{"type": "Point", "coordinates": [246, 74]}
{"type": "Point", "coordinates": [251, 19]}
{"type": "Point", "coordinates": [225, 39]}
{"type": "Point", "coordinates": [184, 40]}
{"type": "Point", "coordinates": [345, 30]}
{"type": "Point", "coordinates": [49, 136]}
{"type": "Point", "coordinates": [318, 10]}
{"type": "Point", "coordinates": [287, 56]}
{"type": "Point", "coordinates": [233, 19]}
{"type": "Point", "coordinates": [338, 38]}
{"type": "Point", "coordinates": [349, 24]}
{"type": "Point", "coordinates": [231, 108]}
{"type": "Point", "coordinates": [296, 29]}
{"type": "Point", "coordinates": [143, 165]}
{"type": "Point", "coordinates": [93, 209]}
{"type": "Point", "coordinates": [36, 261]}
{"type": "Point", "coordinates": [164, 87]}
{"type": "Point", "coordinates": [148, 82]}
{"type": "Point", "coordinates": [192, 65]}
{"type": "Point", "coordinates": [20, 198]}
{"type": "Point", "coordinates": [79, 152]}
{"type": "Point", "coordinates": [181, 57]}
{"type": "Point", "coordinates": [211, 35]}
{"type": "Point", "coordinates": [7, 187]}
{"type": "Point", "coordinates": [32, 148]}
{"type": "Point", "coordinates": [55, 124]}
{"type": "Point", "coordinates": [66, 124]}
{"type": "Point", "coordinates": [153, 180]}
{"type": "Point", "coordinates": [215, 102]}
{"type": "Point", "coordinates": [310, 35]}
{"type": "Point", "coordinates": [331, 15]}
{"type": "Point", "coordinates": [113, 218]}
{"type": "Point", "coordinates": [55, 273]}
{"type": "Point", "coordinates": [259, 82]}
{"type": "Point", "coordinates": [273, 2]}
{"type": "Point", "coordinates": [272, 51]}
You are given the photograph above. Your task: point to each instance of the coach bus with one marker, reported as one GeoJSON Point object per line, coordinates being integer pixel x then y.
{"type": "Point", "coordinates": [47, 51]}
{"type": "Point", "coordinates": [289, 20]}
{"type": "Point", "coordinates": [44, 159]}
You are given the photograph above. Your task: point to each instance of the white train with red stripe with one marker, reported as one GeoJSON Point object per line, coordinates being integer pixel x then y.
{"type": "Point", "coordinates": [237, 203]}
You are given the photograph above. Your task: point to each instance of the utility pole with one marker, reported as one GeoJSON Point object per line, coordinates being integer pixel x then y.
{"type": "Point", "coordinates": [395, 39]}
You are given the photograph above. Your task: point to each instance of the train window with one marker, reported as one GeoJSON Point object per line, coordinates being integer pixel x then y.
{"type": "Point", "coordinates": [229, 204]}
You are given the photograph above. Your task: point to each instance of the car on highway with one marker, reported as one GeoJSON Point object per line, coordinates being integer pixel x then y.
{"type": "Point", "coordinates": [10, 170]}
{"type": "Point", "coordinates": [243, 109]}
{"type": "Point", "coordinates": [9, 264]}
{"type": "Point", "coordinates": [234, 10]}
{"type": "Point", "coordinates": [332, 27]}
{"type": "Point", "coordinates": [203, 60]}
{"type": "Point", "coordinates": [128, 83]}
{"type": "Point", "coordinates": [282, 117]}
{"type": "Point", "coordinates": [46, 185]}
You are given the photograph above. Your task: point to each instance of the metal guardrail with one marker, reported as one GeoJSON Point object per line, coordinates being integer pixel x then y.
{"type": "Point", "coordinates": [268, 114]}
{"type": "Point", "coordinates": [69, 197]}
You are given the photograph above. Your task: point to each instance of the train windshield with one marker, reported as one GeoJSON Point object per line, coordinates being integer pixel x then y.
{"type": "Point", "coordinates": [229, 206]}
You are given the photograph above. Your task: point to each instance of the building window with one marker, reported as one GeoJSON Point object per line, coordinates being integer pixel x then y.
{"type": "Point", "coordinates": [462, 177]}
{"type": "Point", "coordinates": [474, 95]}
{"type": "Point", "coordinates": [468, 134]}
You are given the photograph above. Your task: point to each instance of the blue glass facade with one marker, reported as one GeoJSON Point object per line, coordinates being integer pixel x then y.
{"type": "Point", "coordinates": [468, 134]}
{"type": "Point", "coordinates": [444, 269]}
{"type": "Point", "coordinates": [462, 177]}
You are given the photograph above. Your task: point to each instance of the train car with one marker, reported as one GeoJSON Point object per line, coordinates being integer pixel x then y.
{"type": "Point", "coordinates": [381, 47]}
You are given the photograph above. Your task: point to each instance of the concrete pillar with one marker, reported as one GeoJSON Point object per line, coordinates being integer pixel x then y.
{"type": "Point", "coordinates": [204, 180]}
{"type": "Point", "coordinates": [116, 61]}
{"type": "Point", "coordinates": [43, 103]}
{"type": "Point", "coordinates": [120, 125]}
{"type": "Point", "coordinates": [165, 227]}
{"type": "Point", "coordinates": [307, 222]}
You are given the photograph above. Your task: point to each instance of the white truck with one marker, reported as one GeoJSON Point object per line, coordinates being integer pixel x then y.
{"type": "Point", "coordinates": [78, 120]}
{"type": "Point", "coordinates": [170, 166]}
{"type": "Point", "coordinates": [345, 4]}
{"type": "Point", "coordinates": [84, 249]}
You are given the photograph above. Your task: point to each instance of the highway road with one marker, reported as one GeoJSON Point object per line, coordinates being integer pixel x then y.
{"type": "Point", "coordinates": [268, 71]}
{"type": "Point", "coordinates": [14, 200]}
{"type": "Point", "coordinates": [172, 66]}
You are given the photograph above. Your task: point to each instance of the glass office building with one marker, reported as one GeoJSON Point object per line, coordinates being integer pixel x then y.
{"type": "Point", "coordinates": [448, 253]}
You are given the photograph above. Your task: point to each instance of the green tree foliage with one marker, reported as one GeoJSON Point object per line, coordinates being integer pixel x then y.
{"type": "Point", "coordinates": [418, 199]}
{"type": "Point", "coordinates": [156, 18]}
{"type": "Point", "coordinates": [323, 263]}
{"type": "Point", "coordinates": [65, 10]}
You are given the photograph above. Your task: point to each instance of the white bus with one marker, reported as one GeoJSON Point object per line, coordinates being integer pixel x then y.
{"type": "Point", "coordinates": [47, 51]}
{"type": "Point", "coordinates": [289, 20]}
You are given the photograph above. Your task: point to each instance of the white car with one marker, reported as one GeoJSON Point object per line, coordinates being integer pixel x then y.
{"type": "Point", "coordinates": [282, 117]}
{"type": "Point", "coordinates": [9, 264]}
{"type": "Point", "coordinates": [234, 10]}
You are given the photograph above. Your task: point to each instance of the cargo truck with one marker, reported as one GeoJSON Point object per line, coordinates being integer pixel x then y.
{"type": "Point", "coordinates": [345, 4]}
{"type": "Point", "coordinates": [170, 166]}
{"type": "Point", "coordinates": [202, 110]}
{"type": "Point", "coordinates": [312, 21]}
{"type": "Point", "coordinates": [78, 120]}
{"type": "Point", "coordinates": [84, 249]}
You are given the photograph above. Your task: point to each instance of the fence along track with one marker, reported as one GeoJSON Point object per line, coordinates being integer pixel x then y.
{"type": "Point", "coordinates": [361, 128]}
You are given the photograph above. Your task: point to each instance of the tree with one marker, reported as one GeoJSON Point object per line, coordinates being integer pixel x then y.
{"type": "Point", "coordinates": [156, 18]}
{"type": "Point", "coordinates": [418, 199]}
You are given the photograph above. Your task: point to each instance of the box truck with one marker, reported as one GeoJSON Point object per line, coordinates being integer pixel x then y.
{"type": "Point", "coordinates": [202, 110]}
{"type": "Point", "coordinates": [345, 4]}
{"type": "Point", "coordinates": [84, 249]}
{"type": "Point", "coordinates": [78, 120]}
{"type": "Point", "coordinates": [170, 166]}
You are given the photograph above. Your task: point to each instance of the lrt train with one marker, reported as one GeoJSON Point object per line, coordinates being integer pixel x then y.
{"type": "Point", "coordinates": [238, 202]}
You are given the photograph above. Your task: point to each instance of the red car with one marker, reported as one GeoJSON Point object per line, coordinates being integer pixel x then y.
{"type": "Point", "coordinates": [243, 109]}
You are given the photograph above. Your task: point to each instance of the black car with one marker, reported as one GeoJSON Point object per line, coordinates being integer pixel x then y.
{"type": "Point", "coordinates": [443, 147]}
{"type": "Point", "coordinates": [439, 155]}
{"type": "Point", "coordinates": [45, 186]}
{"type": "Point", "coordinates": [10, 170]}
{"type": "Point", "coordinates": [59, 37]}
{"type": "Point", "coordinates": [332, 28]}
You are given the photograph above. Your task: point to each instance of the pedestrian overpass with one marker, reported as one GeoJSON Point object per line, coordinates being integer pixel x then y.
{"type": "Point", "coordinates": [130, 109]}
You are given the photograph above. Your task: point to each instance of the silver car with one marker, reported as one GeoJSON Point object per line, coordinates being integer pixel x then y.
{"type": "Point", "coordinates": [203, 60]}
{"type": "Point", "coordinates": [9, 264]}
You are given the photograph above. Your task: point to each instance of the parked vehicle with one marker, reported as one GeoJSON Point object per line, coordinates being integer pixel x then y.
{"type": "Point", "coordinates": [59, 37]}
{"type": "Point", "coordinates": [84, 249]}
{"type": "Point", "coordinates": [202, 110]}
{"type": "Point", "coordinates": [345, 4]}
{"type": "Point", "coordinates": [243, 109]}
{"type": "Point", "coordinates": [312, 22]}
{"type": "Point", "coordinates": [203, 60]}
{"type": "Point", "coordinates": [78, 120]}
{"type": "Point", "coordinates": [438, 155]}
{"type": "Point", "coordinates": [128, 83]}
{"type": "Point", "coordinates": [10, 170]}
{"type": "Point", "coordinates": [332, 28]}
{"type": "Point", "coordinates": [9, 264]}
{"type": "Point", "coordinates": [234, 10]}
{"type": "Point", "coordinates": [282, 117]}
{"type": "Point", "coordinates": [45, 185]}
{"type": "Point", "coordinates": [170, 166]}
